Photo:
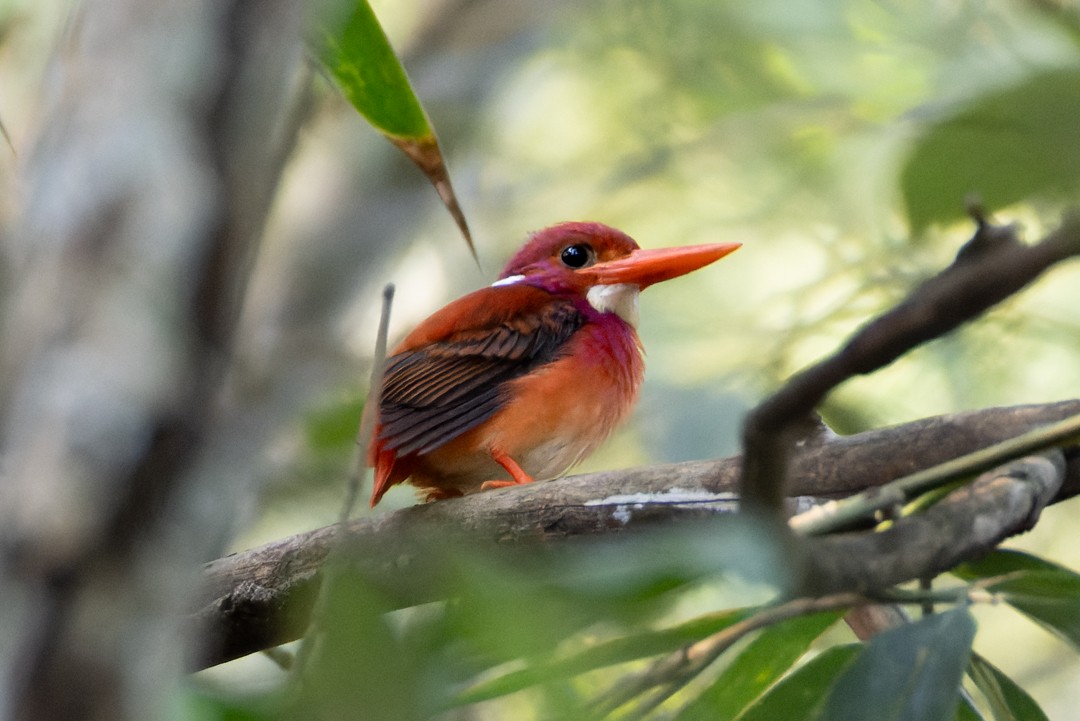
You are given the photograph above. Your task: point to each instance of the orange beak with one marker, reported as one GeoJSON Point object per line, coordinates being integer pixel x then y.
{"type": "Point", "coordinates": [645, 267]}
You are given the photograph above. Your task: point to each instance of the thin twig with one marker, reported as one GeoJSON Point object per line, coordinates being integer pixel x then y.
{"type": "Point", "coordinates": [834, 515]}
{"type": "Point", "coordinates": [352, 489]}
{"type": "Point", "coordinates": [371, 405]}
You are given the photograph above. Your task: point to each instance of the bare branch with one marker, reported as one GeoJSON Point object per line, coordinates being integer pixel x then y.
{"type": "Point", "coordinates": [991, 267]}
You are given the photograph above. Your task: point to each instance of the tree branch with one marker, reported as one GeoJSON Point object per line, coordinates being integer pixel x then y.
{"type": "Point", "coordinates": [260, 598]}
{"type": "Point", "coordinates": [965, 524]}
{"type": "Point", "coordinates": [991, 267]}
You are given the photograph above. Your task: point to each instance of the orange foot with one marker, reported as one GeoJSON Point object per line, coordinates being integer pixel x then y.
{"type": "Point", "coordinates": [520, 477]}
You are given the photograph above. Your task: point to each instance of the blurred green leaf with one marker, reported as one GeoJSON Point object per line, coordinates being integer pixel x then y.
{"type": "Point", "coordinates": [622, 583]}
{"type": "Point", "coordinates": [356, 51]}
{"type": "Point", "coordinates": [333, 427]}
{"type": "Point", "coordinates": [805, 688]}
{"type": "Point", "coordinates": [1004, 147]}
{"type": "Point", "coordinates": [1002, 562]}
{"type": "Point", "coordinates": [910, 673]}
{"type": "Point", "coordinates": [1007, 701]}
{"type": "Point", "coordinates": [757, 667]}
{"type": "Point", "coordinates": [1044, 592]}
{"type": "Point", "coordinates": [202, 705]}
{"type": "Point", "coordinates": [358, 667]}
{"type": "Point", "coordinates": [609, 653]}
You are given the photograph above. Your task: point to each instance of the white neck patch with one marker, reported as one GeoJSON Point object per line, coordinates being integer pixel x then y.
{"type": "Point", "coordinates": [620, 299]}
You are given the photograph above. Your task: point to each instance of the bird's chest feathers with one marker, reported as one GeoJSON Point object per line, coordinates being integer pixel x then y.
{"type": "Point", "coordinates": [572, 404]}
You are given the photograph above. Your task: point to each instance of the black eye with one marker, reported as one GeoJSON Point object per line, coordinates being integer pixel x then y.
{"type": "Point", "coordinates": [578, 255]}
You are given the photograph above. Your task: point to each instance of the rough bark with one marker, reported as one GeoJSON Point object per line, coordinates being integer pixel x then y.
{"type": "Point", "coordinates": [262, 597]}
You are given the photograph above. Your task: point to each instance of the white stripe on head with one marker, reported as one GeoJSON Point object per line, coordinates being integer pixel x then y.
{"type": "Point", "coordinates": [510, 280]}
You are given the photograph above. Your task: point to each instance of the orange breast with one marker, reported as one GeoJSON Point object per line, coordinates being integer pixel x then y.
{"type": "Point", "coordinates": [558, 414]}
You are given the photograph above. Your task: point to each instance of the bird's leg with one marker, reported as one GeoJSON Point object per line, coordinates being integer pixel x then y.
{"type": "Point", "coordinates": [520, 477]}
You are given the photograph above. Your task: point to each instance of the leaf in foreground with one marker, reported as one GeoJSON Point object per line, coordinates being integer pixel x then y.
{"type": "Point", "coordinates": [1007, 701]}
{"type": "Point", "coordinates": [1044, 592]}
{"type": "Point", "coordinates": [805, 688]}
{"type": "Point", "coordinates": [758, 666]}
{"type": "Point", "coordinates": [608, 653]}
{"type": "Point", "coordinates": [910, 673]}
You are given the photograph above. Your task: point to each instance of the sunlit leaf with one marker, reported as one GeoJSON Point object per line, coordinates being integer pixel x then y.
{"type": "Point", "coordinates": [758, 666]}
{"type": "Point", "coordinates": [805, 688]}
{"type": "Point", "coordinates": [1004, 147]}
{"type": "Point", "coordinates": [1046, 593]}
{"type": "Point", "coordinates": [356, 51]}
{"type": "Point", "coordinates": [1007, 701]}
{"type": "Point", "coordinates": [910, 673]}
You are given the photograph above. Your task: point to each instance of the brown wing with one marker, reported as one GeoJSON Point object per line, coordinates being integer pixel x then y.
{"type": "Point", "coordinates": [442, 382]}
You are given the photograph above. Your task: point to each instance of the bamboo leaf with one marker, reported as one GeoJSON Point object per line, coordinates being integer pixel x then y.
{"type": "Point", "coordinates": [765, 659]}
{"type": "Point", "coordinates": [1044, 592]}
{"type": "Point", "coordinates": [357, 54]}
{"type": "Point", "coordinates": [805, 688]}
{"type": "Point", "coordinates": [1007, 701]}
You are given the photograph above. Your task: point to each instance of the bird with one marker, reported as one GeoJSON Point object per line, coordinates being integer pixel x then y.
{"type": "Point", "coordinates": [524, 378]}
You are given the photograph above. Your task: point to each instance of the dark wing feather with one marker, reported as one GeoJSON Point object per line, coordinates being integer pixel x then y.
{"type": "Point", "coordinates": [435, 392]}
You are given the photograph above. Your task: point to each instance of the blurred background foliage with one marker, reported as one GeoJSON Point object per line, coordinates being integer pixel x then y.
{"type": "Point", "coordinates": [837, 140]}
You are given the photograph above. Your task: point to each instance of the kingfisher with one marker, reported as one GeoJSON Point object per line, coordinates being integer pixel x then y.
{"type": "Point", "coordinates": [521, 380]}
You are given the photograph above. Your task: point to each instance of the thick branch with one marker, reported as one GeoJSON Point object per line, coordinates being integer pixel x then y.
{"type": "Point", "coordinates": [966, 524]}
{"type": "Point", "coordinates": [260, 598]}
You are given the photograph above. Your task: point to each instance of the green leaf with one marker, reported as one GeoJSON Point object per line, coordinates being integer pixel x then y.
{"type": "Point", "coordinates": [757, 667]}
{"type": "Point", "coordinates": [805, 688]}
{"type": "Point", "coordinates": [357, 53]}
{"type": "Point", "coordinates": [1004, 147]}
{"type": "Point", "coordinates": [1002, 562]}
{"type": "Point", "coordinates": [910, 673]}
{"type": "Point", "coordinates": [1044, 592]}
{"type": "Point", "coordinates": [1007, 701]}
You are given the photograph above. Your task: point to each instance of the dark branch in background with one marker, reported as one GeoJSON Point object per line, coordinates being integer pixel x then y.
{"type": "Point", "coordinates": [145, 196]}
{"type": "Point", "coordinates": [262, 597]}
{"type": "Point", "coordinates": [990, 268]}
